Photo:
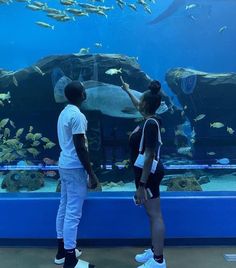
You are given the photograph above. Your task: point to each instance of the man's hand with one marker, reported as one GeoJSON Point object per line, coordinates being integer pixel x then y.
{"type": "Point", "coordinates": [93, 181]}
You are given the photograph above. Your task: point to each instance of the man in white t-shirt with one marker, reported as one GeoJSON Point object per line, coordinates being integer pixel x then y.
{"type": "Point", "coordinates": [76, 174]}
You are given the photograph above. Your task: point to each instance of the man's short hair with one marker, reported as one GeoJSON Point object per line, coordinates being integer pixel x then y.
{"type": "Point", "coordinates": [73, 91]}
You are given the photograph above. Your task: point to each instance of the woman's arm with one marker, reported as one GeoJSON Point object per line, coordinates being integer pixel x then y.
{"type": "Point", "coordinates": [149, 155]}
{"type": "Point", "coordinates": [126, 88]}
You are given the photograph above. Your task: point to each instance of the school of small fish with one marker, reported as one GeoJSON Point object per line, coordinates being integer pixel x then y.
{"type": "Point", "coordinates": [16, 145]}
{"type": "Point", "coordinates": [71, 10]}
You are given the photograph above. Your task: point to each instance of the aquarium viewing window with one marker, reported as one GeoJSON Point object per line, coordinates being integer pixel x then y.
{"type": "Point", "coordinates": [98, 44]}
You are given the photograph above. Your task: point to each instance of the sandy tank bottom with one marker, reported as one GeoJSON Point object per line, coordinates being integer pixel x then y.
{"type": "Point", "coordinates": [220, 183]}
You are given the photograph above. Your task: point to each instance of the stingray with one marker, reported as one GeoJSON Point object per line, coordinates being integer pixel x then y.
{"type": "Point", "coordinates": [108, 99]}
{"type": "Point", "coordinates": [177, 4]}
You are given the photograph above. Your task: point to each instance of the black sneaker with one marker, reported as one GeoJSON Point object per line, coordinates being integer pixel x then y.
{"type": "Point", "coordinates": [60, 257]}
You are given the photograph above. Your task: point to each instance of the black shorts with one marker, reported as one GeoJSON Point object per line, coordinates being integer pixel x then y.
{"type": "Point", "coordinates": [154, 180]}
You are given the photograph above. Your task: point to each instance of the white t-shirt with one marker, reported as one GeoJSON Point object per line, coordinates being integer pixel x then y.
{"type": "Point", "coordinates": [71, 121]}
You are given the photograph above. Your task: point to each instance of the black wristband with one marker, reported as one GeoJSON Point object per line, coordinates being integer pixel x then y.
{"type": "Point", "coordinates": [142, 184]}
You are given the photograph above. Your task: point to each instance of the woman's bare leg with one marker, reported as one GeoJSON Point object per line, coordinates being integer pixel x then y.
{"type": "Point", "coordinates": [153, 209]}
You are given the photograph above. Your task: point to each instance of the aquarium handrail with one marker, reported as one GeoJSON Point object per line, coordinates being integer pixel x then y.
{"type": "Point", "coordinates": [55, 167]}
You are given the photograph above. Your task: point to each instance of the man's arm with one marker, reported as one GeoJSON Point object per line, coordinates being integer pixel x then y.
{"type": "Point", "coordinates": [83, 154]}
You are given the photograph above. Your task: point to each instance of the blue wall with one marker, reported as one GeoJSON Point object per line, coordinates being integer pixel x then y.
{"type": "Point", "coordinates": [113, 215]}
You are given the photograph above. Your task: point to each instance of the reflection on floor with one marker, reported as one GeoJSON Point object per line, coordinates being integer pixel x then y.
{"type": "Point", "coordinates": [177, 257]}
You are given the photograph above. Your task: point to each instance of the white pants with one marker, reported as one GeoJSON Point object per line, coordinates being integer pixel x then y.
{"type": "Point", "coordinates": [73, 194]}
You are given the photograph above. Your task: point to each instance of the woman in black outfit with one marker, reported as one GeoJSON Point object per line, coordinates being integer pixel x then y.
{"type": "Point", "coordinates": [144, 179]}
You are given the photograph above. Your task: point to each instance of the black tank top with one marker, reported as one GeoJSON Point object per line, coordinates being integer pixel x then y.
{"type": "Point", "coordinates": [150, 137]}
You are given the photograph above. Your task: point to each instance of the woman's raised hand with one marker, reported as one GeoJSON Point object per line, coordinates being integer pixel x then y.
{"type": "Point", "coordinates": [125, 86]}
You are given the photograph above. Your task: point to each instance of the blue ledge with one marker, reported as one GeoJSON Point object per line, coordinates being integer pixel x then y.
{"type": "Point", "coordinates": [114, 216]}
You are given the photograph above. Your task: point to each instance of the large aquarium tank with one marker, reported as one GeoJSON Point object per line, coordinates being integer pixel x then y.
{"type": "Point", "coordinates": [187, 45]}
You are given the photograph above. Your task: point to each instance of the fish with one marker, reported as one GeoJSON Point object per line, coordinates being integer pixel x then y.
{"type": "Point", "coordinates": [192, 17]}
{"type": "Point", "coordinates": [19, 132]}
{"type": "Point", "coordinates": [21, 153]}
{"type": "Point", "coordinates": [31, 129]}
{"type": "Point", "coordinates": [37, 136]}
{"type": "Point", "coordinates": [1, 103]}
{"type": "Point", "coordinates": [52, 10]}
{"type": "Point", "coordinates": [67, 2]}
{"type": "Point", "coordinates": [147, 9]}
{"type": "Point", "coordinates": [185, 107]}
{"type": "Point", "coordinates": [14, 81]}
{"type": "Point", "coordinates": [50, 173]}
{"type": "Point", "coordinates": [83, 51]}
{"type": "Point", "coordinates": [6, 132]}
{"type": "Point", "coordinates": [33, 151]}
{"type": "Point", "coordinates": [230, 130]}
{"type": "Point", "coordinates": [101, 1]}
{"type": "Point", "coordinates": [133, 7]}
{"type": "Point", "coordinates": [105, 8]}
{"type": "Point", "coordinates": [190, 6]}
{"type": "Point", "coordinates": [222, 29]}
{"type": "Point", "coordinates": [48, 161]}
{"type": "Point", "coordinates": [99, 97]}
{"type": "Point", "coordinates": [29, 136]}
{"type": "Point", "coordinates": [180, 132]}
{"type": "Point", "coordinates": [5, 96]}
{"type": "Point", "coordinates": [113, 71]}
{"type": "Point", "coordinates": [100, 12]}
{"type": "Point", "coordinates": [33, 7]}
{"type": "Point", "coordinates": [75, 11]}
{"type": "Point", "coordinates": [185, 150]}
{"type": "Point", "coordinates": [35, 143]}
{"type": "Point", "coordinates": [223, 161]}
{"type": "Point", "coordinates": [3, 122]}
{"type": "Point", "coordinates": [199, 117]}
{"type": "Point", "coordinates": [85, 5]}
{"type": "Point", "coordinates": [178, 4]}
{"type": "Point", "coordinates": [142, 2]}
{"type": "Point", "coordinates": [98, 45]}
{"type": "Point", "coordinates": [60, 17]}
{"type": "Point", "coordinates": [44, 139]}
{"type": "Point", "coordinates": [120, 3]}
{"type": "Point", "coordinates": [45, 25]}
{"type": "Point", "coordinates": [211, 153]}
{"type": "Point", "coordinates": [217, 125]}
{"type": "Point", "coordinates": [23, 1]}
{"type": "Point", "coordinates": [49, 145]}
{"type": "Point", "coordinates": [12, 142]}
{"type": "Point", "coordinates": [39, 4]}
{"type": "Point", "coordinates": [163, 130]}
{"type": "Point", "coordinates": [124, 163]}
{"type": "Point", "coordinates": [38, 70]}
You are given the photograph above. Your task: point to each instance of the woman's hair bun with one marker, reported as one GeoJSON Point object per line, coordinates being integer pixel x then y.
{"type": "Point", "coordinates": [155, 87]}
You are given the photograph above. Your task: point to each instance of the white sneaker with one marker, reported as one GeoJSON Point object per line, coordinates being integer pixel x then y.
{"type": "Point", "coordinates": [84, 264]}
{"type": "Point", "coordinates": [151, 263]}
{"type": "Point", "coordinates": [61, 261]}
{"type": "Point", "coordinates": [144, 257]}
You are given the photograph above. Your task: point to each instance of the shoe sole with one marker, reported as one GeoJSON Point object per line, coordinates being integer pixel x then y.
{"type": "Point", "coordinates": [84, 264]}
{"type": "Point", "coordinates": [139, 261]}
{"type": "Point", "coordinates": [61, 261]}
